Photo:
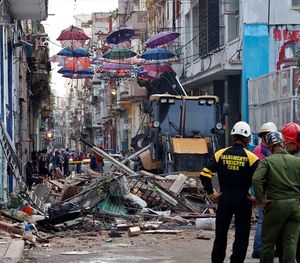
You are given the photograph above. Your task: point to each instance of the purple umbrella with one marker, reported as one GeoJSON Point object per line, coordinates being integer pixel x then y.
{"type": "Point", "coordinates": [161, 38]}
{"type": "Point", "coordinates": [98, 60]}
{"type": "Point", "coordinates": [116, 66]}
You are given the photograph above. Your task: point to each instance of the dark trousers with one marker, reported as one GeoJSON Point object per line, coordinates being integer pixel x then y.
{"type": "Point", "coordinates": [240, 206]}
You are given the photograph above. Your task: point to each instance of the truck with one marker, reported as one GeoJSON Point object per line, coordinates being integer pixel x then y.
{"type": "Point", "coordinates": [184, 133]}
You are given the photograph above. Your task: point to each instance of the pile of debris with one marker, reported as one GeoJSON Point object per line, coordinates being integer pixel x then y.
{"type": "Point", "coordinates": [117, 199]}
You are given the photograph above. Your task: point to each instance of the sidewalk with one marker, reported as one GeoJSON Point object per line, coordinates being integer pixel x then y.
{"type": "Point", "coordinates": [11, 250]}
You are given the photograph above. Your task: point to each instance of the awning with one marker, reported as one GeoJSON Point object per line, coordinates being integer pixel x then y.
{"type": "Point", "coordinates": [28, 48]}
{"type": "Point", "coordinates": [29, 9]}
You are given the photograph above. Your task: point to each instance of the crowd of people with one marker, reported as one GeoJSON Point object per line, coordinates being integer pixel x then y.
{"type": "Point", "coordinates": [46, 164]}
{"type": "Point", "coordinates": [269, 178]}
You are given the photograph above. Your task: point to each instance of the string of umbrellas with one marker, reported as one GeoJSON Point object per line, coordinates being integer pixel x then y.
{"type": "Point", "coordinates": [119, 61]}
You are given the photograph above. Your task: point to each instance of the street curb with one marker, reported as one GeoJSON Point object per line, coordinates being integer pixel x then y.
{"type": "Point", "coordinates": [14, 253]}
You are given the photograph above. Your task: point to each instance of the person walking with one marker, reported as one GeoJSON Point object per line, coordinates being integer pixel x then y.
{"type": "Point", "coordinates": [235, 166]}
{"type": "Point", "coordinates": [276, 185]}
{"type": "Point", "coordinates": [99, 160]}
{"type": "Point", "coordinates": [66, 162]}
{"type": "Point", "coordinates": [261, 151]}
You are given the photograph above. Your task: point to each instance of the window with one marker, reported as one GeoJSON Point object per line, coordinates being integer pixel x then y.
{"type": "Point", "coordinates": [295, 3]}
{"type": "Point", "coordinates": [209, 26]}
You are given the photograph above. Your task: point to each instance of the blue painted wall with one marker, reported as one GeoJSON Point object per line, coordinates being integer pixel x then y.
{"type": "Point", "coordinates": [255, 58]}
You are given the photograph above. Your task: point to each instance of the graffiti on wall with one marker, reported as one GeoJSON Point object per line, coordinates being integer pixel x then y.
{"type": "Point", "coordinates": [284, 43]}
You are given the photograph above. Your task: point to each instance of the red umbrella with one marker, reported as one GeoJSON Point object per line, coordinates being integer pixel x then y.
{"type": "Point", "coordinates": [73, 33]}
{"type": "Point", "coordinates": [154, 69]}
{"type": "Point", "coordinates": [157, 67]}
{"type": "Point", "coordinates": [78, 63]}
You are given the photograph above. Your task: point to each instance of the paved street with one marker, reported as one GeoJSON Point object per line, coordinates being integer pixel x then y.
{"type": "Point", "coordinates": [185, 247]}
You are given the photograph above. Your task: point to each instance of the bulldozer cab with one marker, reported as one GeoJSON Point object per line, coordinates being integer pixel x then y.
{"type": "Point", "coordinates": [187, 116]}
{"type": "Point", "coordinates": [184, 131]}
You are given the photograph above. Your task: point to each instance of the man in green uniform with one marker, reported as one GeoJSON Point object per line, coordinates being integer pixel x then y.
{"type": "Point", "coordinates": [276, 184]}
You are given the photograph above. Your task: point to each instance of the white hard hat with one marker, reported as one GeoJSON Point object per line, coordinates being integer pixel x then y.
{"type": "Point", "coordinates": [241, 128]}
{"type": "Point", "coordinates": [268, 127]}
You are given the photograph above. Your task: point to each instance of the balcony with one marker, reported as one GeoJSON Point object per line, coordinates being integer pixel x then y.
{"type": "Point", "coordinates": [138, 21]}
{"type": "Point", "coordinates": [131, 92]}
{"type": "Point", "coordinates": [31, 10]}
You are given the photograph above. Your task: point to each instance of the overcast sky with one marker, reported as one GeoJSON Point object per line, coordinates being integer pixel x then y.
{"type": "Point", "coordinates": [61, 14]}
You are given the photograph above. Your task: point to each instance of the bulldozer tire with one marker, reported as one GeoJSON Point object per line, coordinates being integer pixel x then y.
{"type": "Point", "coordinates": [139, 141]}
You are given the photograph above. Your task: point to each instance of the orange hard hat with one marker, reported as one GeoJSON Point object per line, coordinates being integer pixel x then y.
{"type": "Point", "coordinates": [291, 133]}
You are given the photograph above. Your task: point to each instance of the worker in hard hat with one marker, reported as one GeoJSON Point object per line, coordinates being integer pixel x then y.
{"type": "Point", "coordinates": [291, 135]}
{"type": "Point", "coordinates": [261, 151]}
{"type": "Point", "coordinates": [235, 166]}
{"type": "Point", "coordinates": [276, 185]}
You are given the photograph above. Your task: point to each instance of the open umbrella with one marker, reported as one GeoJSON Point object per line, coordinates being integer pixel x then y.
{"type": "Point", "coordinates": [161, 38]}
{"type": "Point", "coordinates": [98, 60]}
{"type": "Point", "coordinates": [155, 69]}
{"type": "Point", "coordinates": [77, 52]}
{"type": "Point", "coordinates": [78, 63]}
{"type": "Point", "coordinates": [157, 66]}
{"type": "Point", "coordinates": [77, 76]}
{"type": "Point", "coordinates": [117, 66]}
{"type": "Point", "coordinates": [66, 70]}
{"type": "Point", "coordinates": [157, 54]}
{"type": "Point", "coordinates": [73, 33]}
{"type": "Point", "coordinates": [145, 75]}
{"type": "Point", "coordinates": [119, 36]}
{"type": "Point", "coordinates": [119, 53]}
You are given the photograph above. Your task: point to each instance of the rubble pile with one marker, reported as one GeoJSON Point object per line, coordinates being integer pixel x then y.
{"type": "Point", "coordinates": [117, 200]}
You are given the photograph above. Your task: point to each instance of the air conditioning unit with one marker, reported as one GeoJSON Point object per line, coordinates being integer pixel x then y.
{"type": "Point", "coordinates": [231, 7]}
{"type": "Point", "coordinates": [296, 4]}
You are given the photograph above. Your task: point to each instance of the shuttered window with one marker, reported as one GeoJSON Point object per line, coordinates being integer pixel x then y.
{"type": "Point", "coordinates": [209, 28]}
{"type": "Point", "coordinates": [295, 3]}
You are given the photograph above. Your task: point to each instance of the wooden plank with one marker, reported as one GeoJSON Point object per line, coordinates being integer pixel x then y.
{"type": "Point", "coordinates": [178, 184]}
{"type": "Point", "coordinates": [10, 228]}
{"type": "Point", "coordinates": [162, 231]}
{"type": "Point", "coordinates": [56, 183]}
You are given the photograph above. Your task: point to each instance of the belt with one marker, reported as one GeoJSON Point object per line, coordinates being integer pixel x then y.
{"type": "Point", "coordinates": [286, 200]}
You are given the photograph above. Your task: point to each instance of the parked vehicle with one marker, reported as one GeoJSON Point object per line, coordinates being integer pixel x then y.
{"type": "Point", "coordinates": [184, 132]}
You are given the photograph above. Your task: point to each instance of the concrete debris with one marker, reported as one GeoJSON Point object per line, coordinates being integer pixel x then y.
{"type": "Point", "coordinates": [109, 204]}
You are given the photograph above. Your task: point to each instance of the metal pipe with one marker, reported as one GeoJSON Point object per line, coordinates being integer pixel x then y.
{"type": "Point", "coordinates": [102, 153]}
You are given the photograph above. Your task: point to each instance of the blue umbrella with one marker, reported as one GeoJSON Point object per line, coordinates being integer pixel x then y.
{"type": "Point", "coordinates": [157, 54]}
{"type": "Point", "coordinates": [77, 52]}
{"type": "Point", "coordinates": [69, 71]}
{"type": "Point", "coordinates": [120, 36]}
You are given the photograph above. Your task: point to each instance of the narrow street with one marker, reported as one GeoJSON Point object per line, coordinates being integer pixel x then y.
{"type": "Point", "coordinates": [130, 129]}
{"type": "Point", "coordinates": [188, 246]}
